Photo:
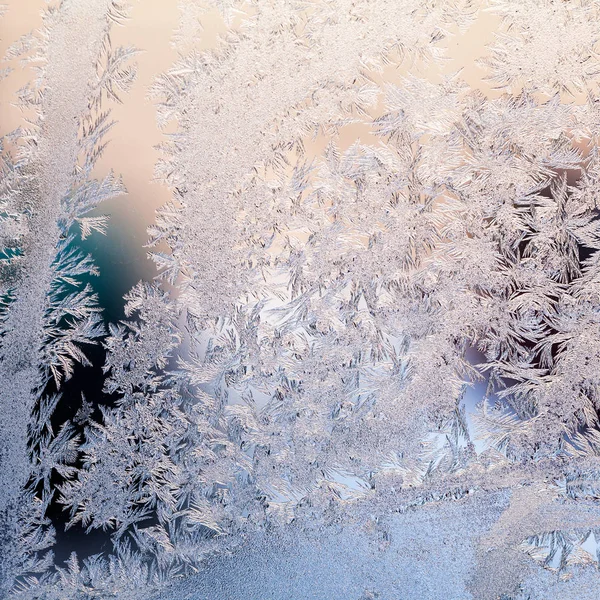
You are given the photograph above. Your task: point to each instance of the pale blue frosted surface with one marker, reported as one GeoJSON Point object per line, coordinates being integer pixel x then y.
{"type": "Point", "coordinates": [354, 354]}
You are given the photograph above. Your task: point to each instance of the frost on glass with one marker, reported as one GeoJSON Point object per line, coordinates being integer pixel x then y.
{"type": "Point", "coordinates": [374, 331]}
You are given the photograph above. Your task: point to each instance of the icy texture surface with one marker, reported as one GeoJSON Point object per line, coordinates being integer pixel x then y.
{"type": "Point", "coordinates": [368, 365]}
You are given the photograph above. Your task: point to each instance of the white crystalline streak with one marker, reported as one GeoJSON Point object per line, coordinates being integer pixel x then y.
{"type": "Point", "coordinates": [51, 313]}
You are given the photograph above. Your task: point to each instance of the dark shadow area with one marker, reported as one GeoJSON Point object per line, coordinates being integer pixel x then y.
{"type": "Point", "coordinates": [118, 274]}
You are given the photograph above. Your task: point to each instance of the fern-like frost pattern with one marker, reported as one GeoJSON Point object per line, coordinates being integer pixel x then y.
{"type": "Point", "coordinates": [374, 335]}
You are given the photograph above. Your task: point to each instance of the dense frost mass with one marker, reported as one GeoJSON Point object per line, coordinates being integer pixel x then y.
{"type": "Point", "coordinates": [369, 366]}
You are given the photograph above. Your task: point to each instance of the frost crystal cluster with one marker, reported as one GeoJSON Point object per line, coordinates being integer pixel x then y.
{"type": "Point", "coordinates": [371, 353]}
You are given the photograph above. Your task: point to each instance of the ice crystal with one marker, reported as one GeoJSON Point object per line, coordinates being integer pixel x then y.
{"type": "Point", "coordinates": [388, 344]}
